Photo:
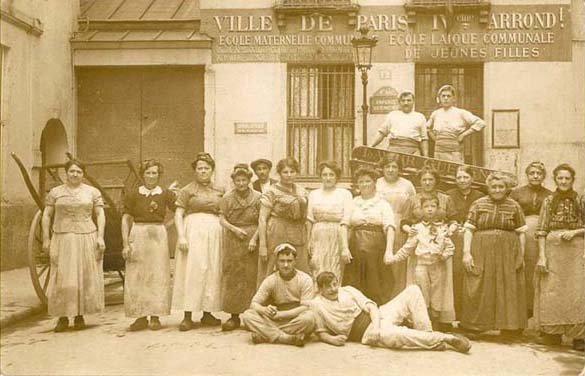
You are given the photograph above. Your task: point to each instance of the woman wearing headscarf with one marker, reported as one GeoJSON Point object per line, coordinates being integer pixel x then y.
{"type": "Point", "coordinates": [239, 217]}
{"type": "Point", "coordinates": [494, 295]}
{"type": "Point", "coordinates": [559, 300]}
{"type": "Point", "coordinates": [147, 285]}
{"type": "Point", "coordinates": [197, 285]}
{"type": "Point", "coordinates": [76, 248]}
{"type": "Point", "coordinates": [530, 197]}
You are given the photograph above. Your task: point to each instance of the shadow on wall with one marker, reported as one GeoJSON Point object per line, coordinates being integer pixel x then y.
{"type": "Point", "coordinates": [14, 243]}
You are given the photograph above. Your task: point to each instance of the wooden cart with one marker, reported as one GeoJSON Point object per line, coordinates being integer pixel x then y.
{"type": "Point", "coordinates": [116, 177]}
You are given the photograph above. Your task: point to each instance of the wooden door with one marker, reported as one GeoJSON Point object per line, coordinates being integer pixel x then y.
{"type": "Point", "coordinates": [468, 81]}
{"type": "Point", "coordinates": [141, 112]}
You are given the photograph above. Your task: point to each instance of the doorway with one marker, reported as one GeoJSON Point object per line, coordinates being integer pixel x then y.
{"type": "Point", "coordinates": [138, 113]}
{"type": "Point", "coordinates": [468, 81]}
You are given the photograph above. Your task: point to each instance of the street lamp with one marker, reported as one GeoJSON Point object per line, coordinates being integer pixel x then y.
{"type": "Point", "coordinates": [362, 47]}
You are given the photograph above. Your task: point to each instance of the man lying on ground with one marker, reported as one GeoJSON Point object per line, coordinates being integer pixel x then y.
{"type": "Point", "coordinates": [345, 314]}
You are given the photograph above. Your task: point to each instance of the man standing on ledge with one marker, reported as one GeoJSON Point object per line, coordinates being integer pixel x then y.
{"type": "Point", "coordinates": [278, 313]}
{"type": "Point", "coordinates": [345, 314]}
{"type": "Point", "coordinates": [449, 126]}
{"type": "Point", "coordinates": [406, 129]}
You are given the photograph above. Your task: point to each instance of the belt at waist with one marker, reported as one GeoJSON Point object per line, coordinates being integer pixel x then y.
{"type": "Point", "coordinates": [360, 324]}
{"type": "Point", "coordinates": [403, 142]}
{"type": "Point", "coordinates": [149, 223]}
{"type": "Point", "coordinates": [368, 227]}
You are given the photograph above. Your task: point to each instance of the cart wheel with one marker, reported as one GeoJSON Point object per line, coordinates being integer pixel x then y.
{"type": "Point", "coordinates": [38, 260]}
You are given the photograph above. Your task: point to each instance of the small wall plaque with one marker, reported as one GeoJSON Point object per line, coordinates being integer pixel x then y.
{"type": "Point", "coordinates": [250, 127]}
{"type": "Point", "coordinates": [505, 129]}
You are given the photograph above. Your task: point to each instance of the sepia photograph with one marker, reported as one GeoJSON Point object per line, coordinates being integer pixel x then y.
{"type": "Point", "coordinates": [292, 187]}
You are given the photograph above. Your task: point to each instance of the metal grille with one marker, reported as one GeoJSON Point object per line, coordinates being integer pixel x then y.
{"type": "Point", "coordinates": [320, 115]}
{"type": "Point", "coordinates": [468, 81]}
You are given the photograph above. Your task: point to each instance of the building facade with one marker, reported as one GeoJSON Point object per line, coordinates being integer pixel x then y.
{"type": "Point", "coordinates": [244, 79]}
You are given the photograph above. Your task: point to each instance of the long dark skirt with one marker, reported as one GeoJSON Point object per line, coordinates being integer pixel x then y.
{"type": "Point", "coordinates": [367, 271]}
{"type": "Point", "coordinates": [494, 295]}
{"type": "Point", "coordinates": [239, 271]}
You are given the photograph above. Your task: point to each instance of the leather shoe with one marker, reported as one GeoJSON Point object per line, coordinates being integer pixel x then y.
{"type": "Point", "coordinates": [62, 325]}
{"type": "Point", "coordinates": [155, 323]}
{"type": "Point", "coordinates": [258, 338]}
{"type": "Point", "coordinates": [78, 323]}
{"type": "Point", "coordinates": [460, 343]}
{"type": "Point", "coordinates": [231, 324]}
{"type": "Point", "coordinates": [141, 323]}
{"type": "Point", "coordinates": [186, 325]}
{"type": "Point", "coordinates": [209, 320]}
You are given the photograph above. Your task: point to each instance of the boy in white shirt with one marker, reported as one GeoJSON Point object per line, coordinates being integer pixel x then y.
{"type": "Point", "coordinates": [430, 250]}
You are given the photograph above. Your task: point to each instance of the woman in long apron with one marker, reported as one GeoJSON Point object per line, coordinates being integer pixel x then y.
{"type": "Point", "coordinates": [76, 249]}
{"type": "Point", "coordinates": [559, 299]}
{"type": "Point", "coordinates": [530, 197]}
{"type": "Point", "coordinates": [197, 285]}
{"type": "Point", "coordinates": [239, 217]}
{"type": "Point", "coordinates": [147, 286]}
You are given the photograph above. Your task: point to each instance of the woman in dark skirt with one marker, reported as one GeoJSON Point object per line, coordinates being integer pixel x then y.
{"type": "Point", "coordinates": [530, 197]}
{"type": "Point", "coordinates": [372, 228]}
{"type": "Point", "coordinates": [239, 210]}
{"type": "Point", "coordinates": [494, 295]}
{"type": "Point", "coordinates": [462, 196]}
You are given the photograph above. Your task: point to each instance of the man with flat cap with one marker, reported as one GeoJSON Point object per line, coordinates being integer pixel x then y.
{"type": "Point", "coordinates": [279, 311]}
{"type": "Point", "coordinates": [262, 169]}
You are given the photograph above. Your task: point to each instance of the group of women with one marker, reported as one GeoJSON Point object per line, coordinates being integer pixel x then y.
{"type": "Point", "coordinates": [517, 253]}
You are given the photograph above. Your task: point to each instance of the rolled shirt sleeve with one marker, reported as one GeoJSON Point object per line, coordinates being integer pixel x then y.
{"type": "Point", "coordinates": [474, 121]}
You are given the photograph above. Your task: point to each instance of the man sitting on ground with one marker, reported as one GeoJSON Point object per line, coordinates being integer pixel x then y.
{"type": "Point", "coordinates": [345, 314]}
{"type": "Point", "coordinates": [278, 313]}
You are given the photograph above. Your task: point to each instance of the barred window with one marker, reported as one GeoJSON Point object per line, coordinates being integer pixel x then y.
{"type": "Point", "coordinates": [320, 119]}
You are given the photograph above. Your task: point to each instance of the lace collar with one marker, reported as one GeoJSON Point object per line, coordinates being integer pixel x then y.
{"type": "Point", "coordinates": [150, 192]}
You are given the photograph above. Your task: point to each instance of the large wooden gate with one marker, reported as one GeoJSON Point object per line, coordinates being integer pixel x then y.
{"type": "Point", "coordinates": [141, 112]}
{"type": "Point", "coordinates": [468, 81]}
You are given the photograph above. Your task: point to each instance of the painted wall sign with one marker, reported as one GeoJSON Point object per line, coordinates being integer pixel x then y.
{"type": "Point", "coordinates": [512, 33]}
{"type": "Point", "coordinates": [384, 100]}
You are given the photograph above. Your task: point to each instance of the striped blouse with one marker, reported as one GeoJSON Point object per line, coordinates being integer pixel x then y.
{"type": "Point", "coordinates": [487, 214]}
